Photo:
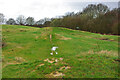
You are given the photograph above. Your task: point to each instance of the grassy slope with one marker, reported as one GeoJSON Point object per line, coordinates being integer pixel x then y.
{"type": "Point", "coordinates": [83, 52]}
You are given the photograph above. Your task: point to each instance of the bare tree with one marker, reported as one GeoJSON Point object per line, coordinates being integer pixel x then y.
{"type": "Point", "coordinates": [21, 20]}
{"type": "Point", "coordinates": [30, 21]}
{"type": "Point", "coordinates": [2, 18]}
{"type": "Point", "coordinates": [11, 21]}
{"type": "Point", "coordinates": [41, 21]}
{"type": "Point", "coordinates": [46, 19]}
{"type": "Point", "coordinates": [95, 10]}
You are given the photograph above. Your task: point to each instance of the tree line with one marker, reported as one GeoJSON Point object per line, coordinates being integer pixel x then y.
{"type": "Point", "coordinates": [97, 18]}
{"type": "Point", "coordinates": [22, 20]}
{"type": "Point", "coordinates": [94, 18]}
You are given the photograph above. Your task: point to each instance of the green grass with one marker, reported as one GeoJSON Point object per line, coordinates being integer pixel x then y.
{"type": "Point", "coordinates": [87, 55]}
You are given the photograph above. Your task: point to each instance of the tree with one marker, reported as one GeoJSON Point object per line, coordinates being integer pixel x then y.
{"type": "Point", "coordinates": [95, 10]}
{"type": "Point", "coordinates": [69, 14]}
{"type": "Point", "coordinates": [46, 19]}
{"type": "Point", "coordinates": [102, 9]}
{"type": "Point", "coordinates": [47, 23]}
{"type": "Point", "coordinates": [11, 21]}
{"type": "Point", "coordinates": [20, 20]}
{"type": "Point", "coordinates": [2, 18]}
{"type": "Point", "coordinates": [56, 22]}
{"type": "Point", "coordinates": [30, 21]}
{"type": "Point", "coordinates": [41, 21]}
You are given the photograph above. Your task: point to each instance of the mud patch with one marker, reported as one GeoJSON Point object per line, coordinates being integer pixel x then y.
{"type": "Point", "coordinates": [23, 30]}
{"type": "Point", "coordinates": [7, 31]}
{"type": "Point", "coordinates": [117, 60]}
{"type": "Point", "coordinates": [3, 44]}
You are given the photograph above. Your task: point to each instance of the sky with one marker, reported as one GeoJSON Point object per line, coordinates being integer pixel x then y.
{"type": "Point", "coordinates": [47, 8]}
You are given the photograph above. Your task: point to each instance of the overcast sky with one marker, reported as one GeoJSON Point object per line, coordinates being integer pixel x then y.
{"type": "Point", "coordinates": [47, 8]}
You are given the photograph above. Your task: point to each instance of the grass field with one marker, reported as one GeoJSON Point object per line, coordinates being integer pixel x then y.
{"type": "Point", "coordinates": [26, 53]}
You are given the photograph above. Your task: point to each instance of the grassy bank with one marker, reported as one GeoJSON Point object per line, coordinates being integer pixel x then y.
{"type": "Point", "coordinates": [26, 53]}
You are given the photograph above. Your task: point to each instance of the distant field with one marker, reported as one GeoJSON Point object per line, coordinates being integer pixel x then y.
{"type": "Point", "coordinates": [26, 53]}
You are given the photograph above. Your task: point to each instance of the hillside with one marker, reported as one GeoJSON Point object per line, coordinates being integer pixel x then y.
{"type": "Point", "coordinates": [26, 53]}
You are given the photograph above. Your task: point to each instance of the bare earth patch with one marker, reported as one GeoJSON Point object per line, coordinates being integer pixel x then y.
{"type": "Point", "coordinates": [61, 59]}
{"type": "Point", "coordinates": [19, 59]}
{"type": "Point", "coordinates": [3, 44]}
{"type": "Point", "coordinates": [102, 52]}
{"type": "Point", "coordinates": [80, 59]}
{"type": "Point", "coordinates": [53, 60]}
{"type": "Point", "coordinates": [22, 30]}
{"type": "Point", "coordinates": [37, 67]}
{"type": "Point", "coordinates": [55, 74]}
{"type": "Point", "coordinates": [10, 63]}
{"type": "Point", "coordinates": [41, 65]}
{"type": "Point", "coordinates": [62, 37]}
{"type": "Point", "coordinates": [90, 52]}
{"type": "Point", "coordinates": [56, 60]}
{"type": "Point", "coordinates": [19, 47]}
{"type": "Point", "coordinates": [104, 38]}
{"type": "Point", "coordinates": [44, 35]}
{"type": "Point", "coordinates": [117, 60]}
{"type": "Point", "coordinates": [36, 37]}
{"type": "Point", "coordinates": [48, 60]}
{"type": "Point", "coordinates": [65, 67]}
{"type": "Point", "coordinates": [108, 53]}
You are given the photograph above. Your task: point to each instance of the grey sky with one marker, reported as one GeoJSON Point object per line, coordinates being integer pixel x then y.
{"type": "Point", "coordinates": [47, 8]}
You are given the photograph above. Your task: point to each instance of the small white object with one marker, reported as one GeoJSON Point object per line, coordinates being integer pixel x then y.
{"type": "Point", "coordinates": [56, 53]}
{"type": "Point", "coordinates": [51, 53]}
{"type": "Point", "coordinates": [54, 48]}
